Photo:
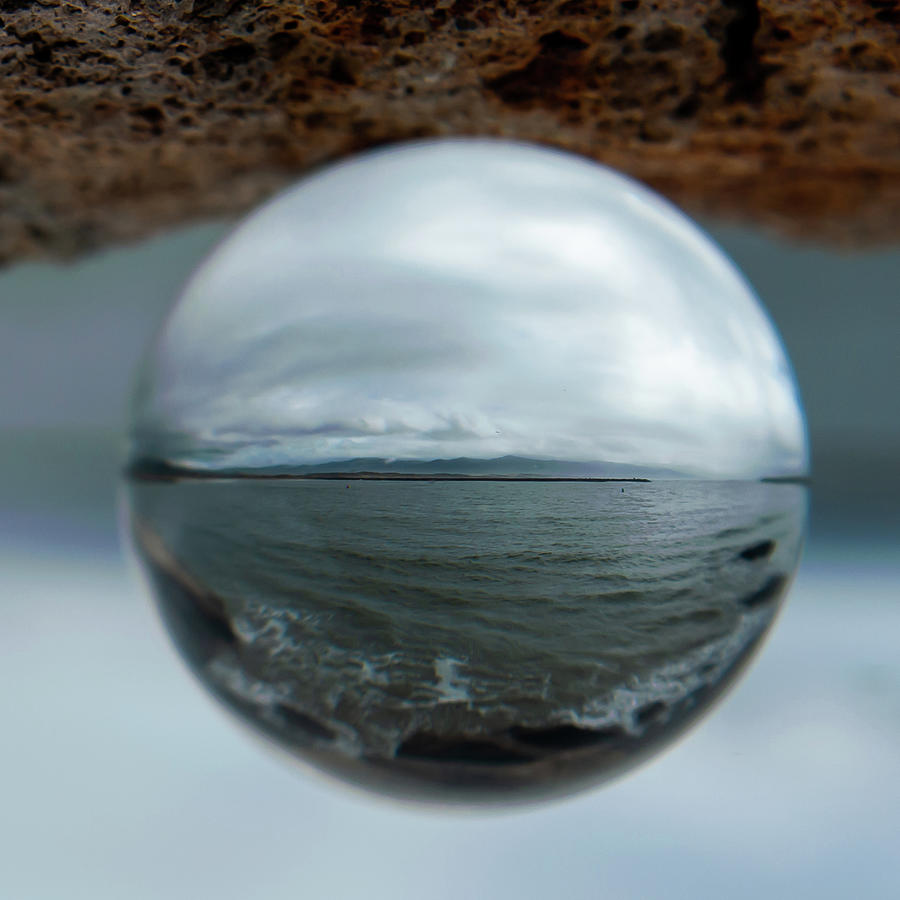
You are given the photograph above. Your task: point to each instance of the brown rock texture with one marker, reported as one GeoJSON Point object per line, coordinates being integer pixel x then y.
{"type": "Point", "coordinates": [118, 119]}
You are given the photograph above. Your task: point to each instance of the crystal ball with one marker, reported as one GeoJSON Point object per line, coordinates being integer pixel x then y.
{"type": "Point", "coordinates": [467, 471]}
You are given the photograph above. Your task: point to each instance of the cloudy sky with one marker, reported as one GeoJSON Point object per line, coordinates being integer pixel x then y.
{"type": "Point", "coordinates": [471, 298]}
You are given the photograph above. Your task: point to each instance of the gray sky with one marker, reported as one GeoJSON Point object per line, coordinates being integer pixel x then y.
{"type": "Point", "coordinates": [472, 299]}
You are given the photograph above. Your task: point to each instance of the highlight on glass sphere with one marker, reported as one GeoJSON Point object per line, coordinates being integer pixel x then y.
{"type": "Point", "coordinates": [467, 471]}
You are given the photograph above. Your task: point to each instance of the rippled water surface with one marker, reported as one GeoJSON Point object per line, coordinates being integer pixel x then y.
{"type": "Point", "coordinates": [476, 627]}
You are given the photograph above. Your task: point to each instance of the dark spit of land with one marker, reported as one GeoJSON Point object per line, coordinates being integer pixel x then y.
{"type": "Point", "coordinates": [162, 470]}
{"type": "Point", "coordinates": [439, 476]}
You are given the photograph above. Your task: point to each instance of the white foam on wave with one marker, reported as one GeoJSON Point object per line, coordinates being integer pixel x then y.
{"type": "Point", "coordinates": [673, 682]}
{"type": "Point", "coordinates": [230, 677]}
{"type": "Point", "coordinates": [449, 687]}
{"type": "Point", "coordinates": [295, 642]}
{"type": "Point", "coordinates": [267, 697]}
{"type": "Point", "coordinates": [269, 625]}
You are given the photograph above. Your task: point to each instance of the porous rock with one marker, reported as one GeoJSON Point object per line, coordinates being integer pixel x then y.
{"type": "Point", "coordinates": [122, 117]}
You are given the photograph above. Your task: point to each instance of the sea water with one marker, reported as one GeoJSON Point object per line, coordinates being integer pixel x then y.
{"type": "Point", "coordinates": [468, 636]}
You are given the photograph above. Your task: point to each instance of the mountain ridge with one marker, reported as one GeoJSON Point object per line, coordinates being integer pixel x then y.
{"type": "Point", "coordinates": [501, 467]}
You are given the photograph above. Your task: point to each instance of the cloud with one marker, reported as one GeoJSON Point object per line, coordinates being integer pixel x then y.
{"type": "Point", "coordinates": [480, 299]}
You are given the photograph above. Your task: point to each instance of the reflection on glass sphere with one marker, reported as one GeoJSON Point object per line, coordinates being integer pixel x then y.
{"type": "Point", "coordinates": [467, 471]}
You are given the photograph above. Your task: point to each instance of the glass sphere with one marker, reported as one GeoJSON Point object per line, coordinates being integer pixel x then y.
{"type": "Point", "coordinates": [467, 471]}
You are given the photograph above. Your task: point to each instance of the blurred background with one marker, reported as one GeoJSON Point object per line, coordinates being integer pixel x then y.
{"type": "Point", "coordinates": [120, 778]}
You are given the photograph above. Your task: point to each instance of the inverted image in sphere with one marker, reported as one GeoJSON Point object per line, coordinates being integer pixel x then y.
{"type": "Point", "coordinates": [468, 471]}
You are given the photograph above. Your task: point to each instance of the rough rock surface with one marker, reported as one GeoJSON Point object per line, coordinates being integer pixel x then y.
{"type": "Point", "coordinates": [118, 118]}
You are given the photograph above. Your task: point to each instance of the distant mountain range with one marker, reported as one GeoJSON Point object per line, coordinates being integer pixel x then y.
{"type": "Point", "coordinates": [501, 467]}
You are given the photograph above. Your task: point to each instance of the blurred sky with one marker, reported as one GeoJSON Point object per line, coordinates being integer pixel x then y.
{"type": "Point", "coordinates": [71, 337]}
{"type": "Point", "coordinates": [119, 778]}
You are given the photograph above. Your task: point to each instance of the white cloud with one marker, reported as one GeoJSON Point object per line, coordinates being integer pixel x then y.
{"type": "Point", "coordinates": [476, 298]}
